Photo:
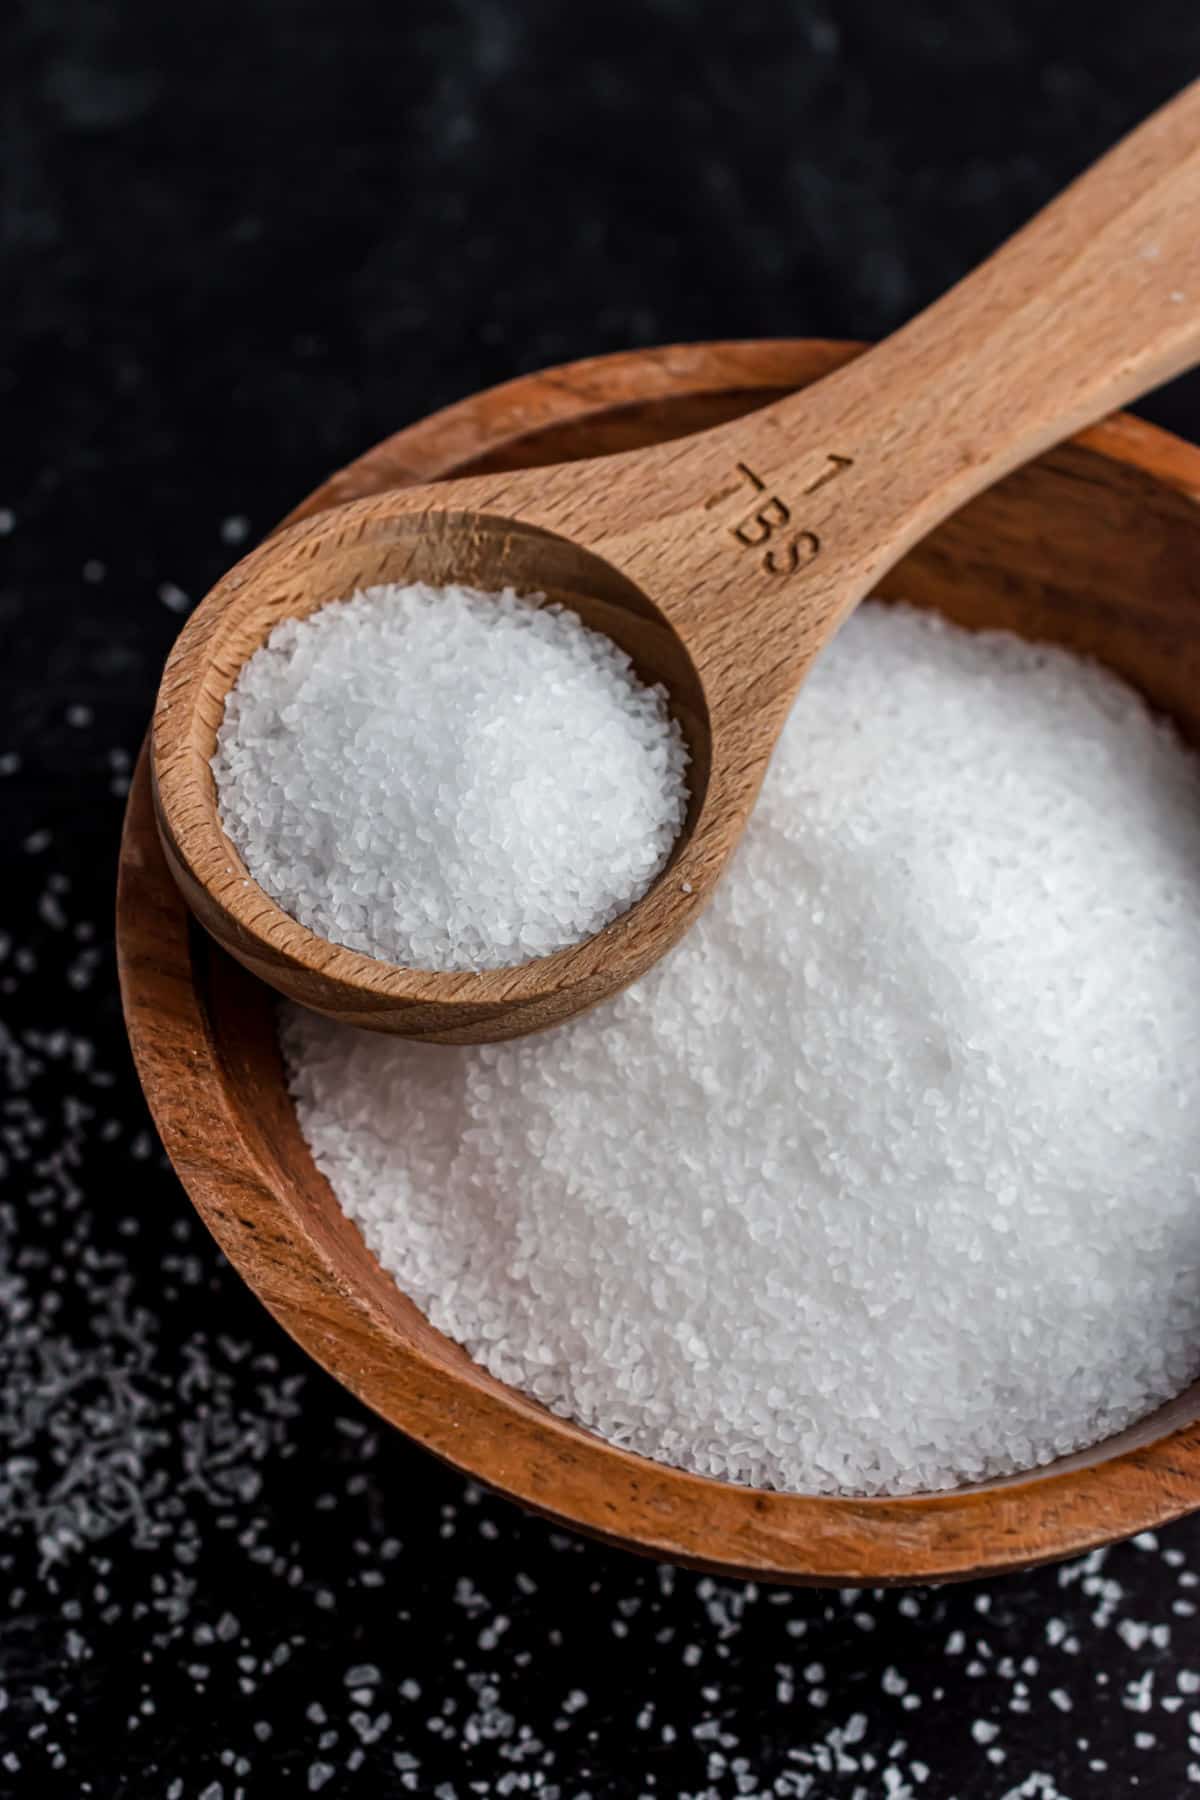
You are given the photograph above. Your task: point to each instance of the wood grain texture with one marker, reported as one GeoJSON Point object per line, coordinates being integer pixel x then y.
{"type": "Point", "coordinates": [1096, 546]}
{"type": "Point", "coordinates": [721, 560]}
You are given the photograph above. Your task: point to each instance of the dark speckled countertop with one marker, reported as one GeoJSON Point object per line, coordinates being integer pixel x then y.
{"type": "Point", "coordinates": [241, 241]}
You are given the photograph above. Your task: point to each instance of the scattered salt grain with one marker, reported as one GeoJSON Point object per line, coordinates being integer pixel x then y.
{"type": "Point", "coordinates": [888, 1176]}
{"type": "Point", "coordinates": [448, 779]}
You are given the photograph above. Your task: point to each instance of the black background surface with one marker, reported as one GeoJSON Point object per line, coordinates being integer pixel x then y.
{"type": "Point", "coordinates": [241, 242]}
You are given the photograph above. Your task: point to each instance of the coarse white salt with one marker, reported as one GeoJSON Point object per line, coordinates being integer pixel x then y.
{"type": "Point", "coordinates": [448, 779]}
{"type": "Point", "coordinates": [889, 1176]}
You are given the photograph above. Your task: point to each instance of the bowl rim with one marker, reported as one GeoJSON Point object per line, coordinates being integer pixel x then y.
{"type": "Point", "coordinates": [544, 1463]}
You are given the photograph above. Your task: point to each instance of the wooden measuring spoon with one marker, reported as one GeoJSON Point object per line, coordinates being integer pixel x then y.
{"type": "Point", "coordinates": [722, 562]}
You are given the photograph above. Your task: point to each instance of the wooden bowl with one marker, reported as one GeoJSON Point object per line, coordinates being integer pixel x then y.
{"type": "Point", "coordinates": [1095, 546]}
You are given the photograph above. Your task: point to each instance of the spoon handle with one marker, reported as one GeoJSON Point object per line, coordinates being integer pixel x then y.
{"type": "Point", "coordinates": [786, 518]}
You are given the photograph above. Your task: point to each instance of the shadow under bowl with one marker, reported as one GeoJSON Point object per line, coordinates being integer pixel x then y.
{"type": "Point", "coordinates": [1095, 546]}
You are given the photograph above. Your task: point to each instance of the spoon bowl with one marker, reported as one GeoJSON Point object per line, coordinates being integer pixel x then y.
{"type": "Point", "coordinates": [310, 564]}
{"type": "Point", "coordinates": [723, 562]}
